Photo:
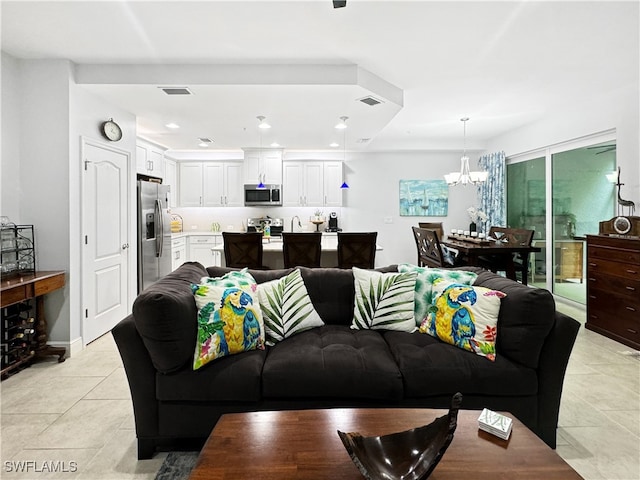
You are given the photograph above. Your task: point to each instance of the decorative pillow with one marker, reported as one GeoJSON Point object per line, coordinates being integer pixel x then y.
{"type": "Point", "coordinates": [466, 317]}
{"type": "Point", "coordinates": [286, 307]}
{"type": "Point", "coordinates": [229, 317]}
{"type": "Point", "coordinates": [383, 300]}
{"type": "Point", "coordinates": [424, 285]}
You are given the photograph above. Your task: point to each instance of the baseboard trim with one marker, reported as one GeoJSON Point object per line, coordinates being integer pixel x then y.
{"type": "Point", "coordinates": [74, 347]}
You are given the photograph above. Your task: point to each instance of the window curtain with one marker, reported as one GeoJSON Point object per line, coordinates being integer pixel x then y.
{"type": "Point", "coordinates": [491, 194]}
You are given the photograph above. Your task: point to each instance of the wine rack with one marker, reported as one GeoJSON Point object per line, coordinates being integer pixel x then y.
{"type": "Point", "coordinates": [17, 250]}
{"type": "Point", "coordinates": [18, 336]}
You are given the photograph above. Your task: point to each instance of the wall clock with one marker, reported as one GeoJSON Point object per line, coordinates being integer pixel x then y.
{"type": "Point", "coordinates": [621, 225]}
{"type": "Point", "coordinates": [111, 130]}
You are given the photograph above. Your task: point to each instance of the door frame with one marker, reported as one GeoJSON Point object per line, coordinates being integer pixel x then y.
{"type": "Point", "coordinates": [132, 251]}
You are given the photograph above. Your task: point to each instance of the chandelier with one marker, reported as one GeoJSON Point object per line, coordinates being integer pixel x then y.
{"type": "Point", "coordinates": [465, 176]}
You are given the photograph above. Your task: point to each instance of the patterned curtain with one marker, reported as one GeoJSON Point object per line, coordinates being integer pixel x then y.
{"type": "Point", "coordinates": [491, 194]}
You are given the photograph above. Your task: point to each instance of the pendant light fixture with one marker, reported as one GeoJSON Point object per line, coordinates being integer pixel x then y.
{"type": "Point", "coordinates": [343, 126]}
{"type": "Point", "coordinates": [262, 125]}
{"type": "Point", "coordinates": [465, 176]}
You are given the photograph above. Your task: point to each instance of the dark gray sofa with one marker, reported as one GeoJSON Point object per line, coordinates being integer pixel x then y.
{"type": "Point", "coordinates": [334, 366]}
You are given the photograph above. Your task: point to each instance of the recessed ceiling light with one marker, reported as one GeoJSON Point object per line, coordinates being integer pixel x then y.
{"type": "Point", "coordinates": [262, 123]}
{"type": "Point", "coordinates": [203, 144]}
{"type": "Point", "coordinates": [172, 125]}
{"type": "Point", "coordinates": [275, 144]}
{"type": "Point", "coordinates": [342, 124]}
{"type": "Point", "coordinates": [334, 145]}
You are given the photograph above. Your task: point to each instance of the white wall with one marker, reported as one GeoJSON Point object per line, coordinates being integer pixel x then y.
{"type": "Point", "coordinates": [43, 116]}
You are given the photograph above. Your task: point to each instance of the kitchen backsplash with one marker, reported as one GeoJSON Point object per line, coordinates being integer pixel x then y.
{"type": "Point", "coordinates": [200, 219]}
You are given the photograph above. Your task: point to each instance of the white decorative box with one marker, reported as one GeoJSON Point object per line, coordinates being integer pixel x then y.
{"type": "Point", "coordinates": [495, 423]}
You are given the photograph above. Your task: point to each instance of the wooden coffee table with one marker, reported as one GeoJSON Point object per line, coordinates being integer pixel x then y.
{"type": "Point", "coordinates": [303, 444]}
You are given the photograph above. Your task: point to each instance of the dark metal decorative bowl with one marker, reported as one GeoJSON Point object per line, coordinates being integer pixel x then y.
{"type": "Point", "coordinates": [408, 455]}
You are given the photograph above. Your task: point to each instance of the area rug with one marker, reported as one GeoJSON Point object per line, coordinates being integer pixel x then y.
{"type": "Point", "coordinates": [177, 466]}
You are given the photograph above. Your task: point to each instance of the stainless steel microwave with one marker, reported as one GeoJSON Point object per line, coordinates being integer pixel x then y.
{"type": "Point", "coordinates": [262, 196]}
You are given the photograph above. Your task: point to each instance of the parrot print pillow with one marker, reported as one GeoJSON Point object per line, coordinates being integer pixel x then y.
{"type": "Point", "coordinates": [466, 317]}
{"type": "Point", "coordinates": [424, 297]}
{"type": "Point", "coordinates": [229, 317]}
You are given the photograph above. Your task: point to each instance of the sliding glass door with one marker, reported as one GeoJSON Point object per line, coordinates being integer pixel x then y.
{"type": "Point", "coordinates": [562, 193]}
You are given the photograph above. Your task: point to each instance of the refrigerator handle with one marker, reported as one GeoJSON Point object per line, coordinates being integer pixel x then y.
{"type": "Point", "coordinates": [159, 229]}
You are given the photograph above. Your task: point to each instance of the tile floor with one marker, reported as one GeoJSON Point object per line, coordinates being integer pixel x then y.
{"type": "Point", "coordinates": [77, 415]}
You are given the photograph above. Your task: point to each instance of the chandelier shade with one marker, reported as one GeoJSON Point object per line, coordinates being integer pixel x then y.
{"type": "Point", "coordinates": [465, 176]}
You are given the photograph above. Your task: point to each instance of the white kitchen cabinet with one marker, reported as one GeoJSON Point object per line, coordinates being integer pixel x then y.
{"type": "Point", "coordinates": [149, 159]}
{"type": "Point", "coordinates": [178, 252]}
{"type": "Point", "coordinates": [333, 178]}
{"type": "Point", "coordinates": [311, 184]}
{"type": "Point", "coordinates": [211, 184]}
{"type": "Point", "coordinates": [171, 179]}
{"type": "Point", "coordinates": [265, 166]}
{"type": "Point", "coordinates": [200, 250]}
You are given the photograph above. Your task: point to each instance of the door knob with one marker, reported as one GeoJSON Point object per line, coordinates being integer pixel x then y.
{"type": "Point", "coordinates": [125, 246]}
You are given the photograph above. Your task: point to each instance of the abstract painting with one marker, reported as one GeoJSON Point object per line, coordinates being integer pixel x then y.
{"type": "Point", "coordinates": [424, 198]}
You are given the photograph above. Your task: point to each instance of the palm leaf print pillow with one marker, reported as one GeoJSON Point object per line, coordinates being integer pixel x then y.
{"type": "Point", "coordinates": [466, 317]}
{"type": "Point", "coordinates": [383, 300]}
{"type": "Point", "coordinates": [286, 307]}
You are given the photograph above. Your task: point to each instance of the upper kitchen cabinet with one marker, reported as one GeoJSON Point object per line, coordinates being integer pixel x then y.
{"type": "Point", "coordinates": [210, 184]}
{"type": "Point", "coordinates": [263, 165]}
{"type": "Point", "coordinates": [149, 158]}
{"type": "Point", "coordinates": [171, 179]}
{"type": "Point", "coordinates": [311, 184]}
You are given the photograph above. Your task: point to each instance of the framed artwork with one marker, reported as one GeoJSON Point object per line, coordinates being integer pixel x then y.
{"type": "Point", "coordinates": [424, 198]}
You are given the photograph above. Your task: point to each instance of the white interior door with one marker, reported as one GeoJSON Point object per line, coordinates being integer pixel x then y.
{"type": "Point", "coordinates": [106, 241]}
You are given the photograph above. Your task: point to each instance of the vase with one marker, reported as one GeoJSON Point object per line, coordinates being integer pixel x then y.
{"type": "Point", "coordinates": [473, 227]}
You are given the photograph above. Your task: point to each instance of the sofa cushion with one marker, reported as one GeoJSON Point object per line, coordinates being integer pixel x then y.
{"type": "Point", "coordinates": [383, 300]}
{"type": "Point", "coordinates": [424, 285]}
{"type": "Point", "coordinates": [431, 367]}
{"type": "Point", "coordinates": [165, 316]}
{"type": "Point", "coordinates": [229, 317]}
{"type": "Point", "coordinates": [286, 307]}
{"type": "Point", "coordinates": [332, 362]}
{"type": "Point", "coordinates": [466, 317]}
{"type": "Point", "coordinates": [236, 378]}
{"type": "Point", "coordinates": [526, 317]}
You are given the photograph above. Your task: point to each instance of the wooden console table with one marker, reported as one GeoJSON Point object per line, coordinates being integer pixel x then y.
{"type": "Point", "coordinates": [34, 286]}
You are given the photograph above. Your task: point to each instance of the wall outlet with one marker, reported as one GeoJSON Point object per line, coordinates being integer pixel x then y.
{"type": "Point", "coordinates": [388, 219]}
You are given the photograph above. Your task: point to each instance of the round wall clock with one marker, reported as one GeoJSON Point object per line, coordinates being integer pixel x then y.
{"type": "Point", "coordinates": [111, 130]}
{"type": "Point", "coordinates": [621, 225]}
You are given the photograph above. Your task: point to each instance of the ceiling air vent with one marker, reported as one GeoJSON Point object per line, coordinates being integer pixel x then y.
{"type": "Point", "coordinates": [205, 140]}
{"type": "Point", "coordinates": [369, 100]}
{"type": "Point", "coordinates": [363, 140]}
{"type": "Point", "coordinates": [176, 90]}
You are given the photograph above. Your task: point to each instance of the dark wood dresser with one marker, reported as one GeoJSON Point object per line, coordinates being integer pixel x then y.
{"type": "Point", "coordinates": [613, 288]}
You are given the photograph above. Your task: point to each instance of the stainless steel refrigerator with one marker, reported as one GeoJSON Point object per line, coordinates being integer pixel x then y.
{"type": "Point", "coordinates": [154, 233]}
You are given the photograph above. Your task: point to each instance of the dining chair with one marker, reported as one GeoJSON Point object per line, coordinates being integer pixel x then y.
{"type": "Point", "coordinates": [430, 251]}
{"type": "Point", "coordinates": [243, 250]}
{"type": "Point", "coordinates": [509, 236]}
{"type": "Point", "coordinates": [301, 249]}
{"type": "Point", "coordinates": [357, 249]}
{"type": "Point", "coordinates": [437, 226]}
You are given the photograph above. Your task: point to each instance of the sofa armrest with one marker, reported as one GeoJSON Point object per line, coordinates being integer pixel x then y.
{"type": "Point", "coordinates": [551, 370]}
{"type": "Point", "coordinates": [141, 375]}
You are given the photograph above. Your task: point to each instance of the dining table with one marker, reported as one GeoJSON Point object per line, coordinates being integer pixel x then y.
{"type": "Point", "coordinates": [472, 248]}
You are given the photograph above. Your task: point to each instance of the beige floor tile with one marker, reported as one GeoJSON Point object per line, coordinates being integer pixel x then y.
{"type": "Point", "coordinates": [627, 419]}
{"type": "Point", "coordinates": [49, 395]}
{"type": "Point", "coordinates": [91, 363]}
{"type": "Point", "coordinates": [612, 451]}
{"type": "Point", "coordinates": [603, 392]}
{"type": "Point", "coordinates": [119, 459]}
{"type": "Point", "coordinates": [576, 412]}
{"type": "Point", "coordinates": [34, 464]}
{"type": "Point", "coordinates": [18, 430]}
{"type": "Point", "coordinates": [113, 387]}
{"type": "Point", "coordinates": [628, 374]}
{"type": "Point", "coordinates": [88, 424]}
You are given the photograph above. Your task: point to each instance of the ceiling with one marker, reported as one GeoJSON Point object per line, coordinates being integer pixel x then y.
{"type": "Point", "coordinates": [303, 65]}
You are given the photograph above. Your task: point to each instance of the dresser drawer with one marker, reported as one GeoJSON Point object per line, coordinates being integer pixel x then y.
{"type": "Point", "coordinates": [612, 305]}
{"type": "Point", "coordinates": [617, 285]}
{"type": "Point", "coordinates": [598, 266]}
{"type": "Point", "coordinates": [614, 254]}
{"type": "Point", "coordinates": [628, 328]}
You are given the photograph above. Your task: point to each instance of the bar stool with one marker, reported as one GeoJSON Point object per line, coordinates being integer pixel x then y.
{"type": "Point", "coordinates": [301, 249]}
